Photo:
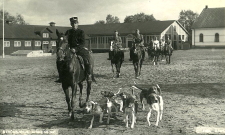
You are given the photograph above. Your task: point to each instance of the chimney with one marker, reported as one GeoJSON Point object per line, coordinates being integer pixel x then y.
{"type": "Point", "coordinates": [206, 6]}
{"type": "Point", "coordinates": [52, 24]}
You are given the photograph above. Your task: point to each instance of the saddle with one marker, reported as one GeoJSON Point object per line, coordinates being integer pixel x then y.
{"type": "Point", "coordinates": [80, 59]}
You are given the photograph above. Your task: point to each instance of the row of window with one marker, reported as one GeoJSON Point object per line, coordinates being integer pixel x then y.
{"type": "Point", "coordinates": [28, 43]}
{"type": "Point", "coordinates": [216, 38]}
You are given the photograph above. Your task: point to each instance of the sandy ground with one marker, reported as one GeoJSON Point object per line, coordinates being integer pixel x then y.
{"type": "Point", "coordinates": [193, 89]}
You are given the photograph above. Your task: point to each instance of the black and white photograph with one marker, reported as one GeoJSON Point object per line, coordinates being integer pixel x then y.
{"type": "Point", "coordinates": [112, 67]}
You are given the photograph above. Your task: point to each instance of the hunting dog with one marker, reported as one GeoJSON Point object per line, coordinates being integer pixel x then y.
{"type": "Point", "coordinates": [130, 108]}
{"type": "Point", "coordinates": [99, 108]}
{"type": "Point", "coordinates": [115, 97]}
{"type": "Point", "coordinates": [128, 104]}
{"type": "Point", "coordinates": [154, 100]}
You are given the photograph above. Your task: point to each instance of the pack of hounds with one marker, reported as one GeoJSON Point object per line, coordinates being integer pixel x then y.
{"type": "Point", "coordinates": [128, 104]}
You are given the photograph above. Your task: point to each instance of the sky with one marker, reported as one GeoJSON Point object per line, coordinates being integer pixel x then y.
{"type": "Point", "coordinates": [42, 12]}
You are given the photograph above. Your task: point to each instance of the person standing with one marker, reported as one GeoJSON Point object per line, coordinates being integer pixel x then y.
{"type": "Point", "coordinates": [139, 40]}
{"type": "Point", "coordinates": [76, 41]}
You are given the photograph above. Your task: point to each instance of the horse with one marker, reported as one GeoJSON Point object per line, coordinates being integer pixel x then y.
{"type": "Point", "coordinates": [116, 58]}
{"type": "Point", "coordinates": [150, 51]}
{"type": "Point", "coordinates": [156, 53]}
{"type": "Point", "coordinates": [137, 59]}
{"type": "Point", "coordinates": [168, 50]}
{"type": "Point", "coordinates": [71, 73]}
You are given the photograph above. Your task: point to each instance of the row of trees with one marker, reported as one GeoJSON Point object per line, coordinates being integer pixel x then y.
{"type": "Point", "coordinates": [186, 18]}
{"type": "Point", "coordinates": [18, 19]}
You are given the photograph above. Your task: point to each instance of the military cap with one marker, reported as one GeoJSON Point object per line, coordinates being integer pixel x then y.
{"type": "Point", "coordinates": [74, 19]}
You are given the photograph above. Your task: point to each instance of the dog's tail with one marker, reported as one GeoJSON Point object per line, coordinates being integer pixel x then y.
{"type": "Point", "coordinates": [118, 92]}
{"type": "Point", "coordinates": [159, 89]}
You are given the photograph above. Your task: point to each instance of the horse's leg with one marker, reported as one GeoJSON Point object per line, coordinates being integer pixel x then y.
{"type": "Point", "coordinates": [169, 59]}
{"type": "Point", "coordinates": [118, 69]}
{"type": "Point", "coordinates": [81, 91]}
{"type": "Point", "coordinates": [88, 89]}
{"type": "Point", "coordinates": [112, 69]}
{"type": "Point", "coordinates": [74, 91]}
{"type": "Point", "coordinates": [67, 95]}
{"type": "Point", "coordinates": [135, 69]}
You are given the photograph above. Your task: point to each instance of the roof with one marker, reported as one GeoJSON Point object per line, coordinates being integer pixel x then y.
{"type": "Point", "coordinates": [16, 31]}
{"type": "Point", "coordinates": [153, 27]}
{"type": "Point", "coordinates": [33, 31]}
{"type": "Point", "coordinates": [210, 18]}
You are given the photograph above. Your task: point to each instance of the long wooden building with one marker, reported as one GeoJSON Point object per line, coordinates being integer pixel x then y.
{"type": "Point", "coordinates": [38, 37]}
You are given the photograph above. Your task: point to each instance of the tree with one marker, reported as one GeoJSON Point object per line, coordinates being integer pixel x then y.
{"type": "Point", "coordinates": [112, 19]}
{"type": "Point", "coordinates": [187, 18]}
{"type": "Point", "coordinates": [141, 17]}
{"type": "Point", "coordinates": [100, 22]}
{"type": "Point", "coordinates": [18, 19]}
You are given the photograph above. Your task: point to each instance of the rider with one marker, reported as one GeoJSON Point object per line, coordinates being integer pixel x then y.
{"type": "Point", "coordinates": [169, 42]}
{"type": "Point", "coordinates": [139, 40]}
{"type": "Point", "coordinates": [117, 42]}
{"type": "Point", "coordinates": [156, 44]}
{"type": "Point", "coordinates": [76, 41]}
{"type": "Point", "coordinates": [162, 45]}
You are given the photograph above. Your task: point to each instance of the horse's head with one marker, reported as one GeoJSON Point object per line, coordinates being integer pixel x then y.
{"type": "Point", "coordinates": [62, 45]}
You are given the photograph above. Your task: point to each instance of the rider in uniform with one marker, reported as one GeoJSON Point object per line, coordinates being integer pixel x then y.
{"type": "Point", "coordinates": [76, 41]}
{"type": "Point", "coordinates": [118, 42]}
{"type": "Point", "coordinates": [139, 40]}
{"type": "Point", "coordinates": [169, 43]}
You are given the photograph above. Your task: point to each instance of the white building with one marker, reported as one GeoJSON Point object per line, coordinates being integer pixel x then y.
{"type": "Point", "coordinates": [209, 28]}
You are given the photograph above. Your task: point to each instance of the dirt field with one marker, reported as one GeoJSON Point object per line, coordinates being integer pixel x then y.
{"type": "Point", "coordinates": [193, 89]}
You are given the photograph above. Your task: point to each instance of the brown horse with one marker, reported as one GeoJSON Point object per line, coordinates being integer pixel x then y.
{"type": "Point", "coordinates": [137, 59]}
{"type": "Point", "coordinates": [168, 50]}
{"type": "Point", "coordinates": [71, 73]}
{"type": "Point", "coordinates": [117, 59]}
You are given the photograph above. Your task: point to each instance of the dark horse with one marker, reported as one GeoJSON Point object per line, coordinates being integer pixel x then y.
{"type": "Point", "coordinates": [116, 58]}
{"type": "Point", "coordinates": [71, 73]}
{"type": "Point", "coordinates": [137, 59]}
{"type": "Point", "coordinates": [168, 50]}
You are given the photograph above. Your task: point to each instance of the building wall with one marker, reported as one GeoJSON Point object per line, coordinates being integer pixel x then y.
{"type": "Point", "coordinates": [12, 48]}
{"type": "Point", "coordinates": [176, 34]}
{"type": "Point", "coordinates": [208, 37]}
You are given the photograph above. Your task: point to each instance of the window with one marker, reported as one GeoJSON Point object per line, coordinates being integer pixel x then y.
{"type": "Point", "coordinates": [6, 43]}
{"type": "Point", "coordinates": [179, 37]}
{"type": "Point", "coordinates": [37, 43]}
{"type": "Point", "coordinates": [53, 43]}
{"type": "Point", "coordinates": [174, 28]}
{"type": "Point", "coordinates": [182, 37]}
{"type": "Point", "coordinates": [201, 37]}
{"type": "Point", "coordinates": [217, 37]}
{"type": "Point", "coordinates": [45, 35]}
{"type": "Point", "coordinates": [27, 43]}
{"type": "Point", "coordinates": [17, 44]}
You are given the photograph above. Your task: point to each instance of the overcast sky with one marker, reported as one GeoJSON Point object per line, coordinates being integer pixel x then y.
{"type": "Point", "coordinates": [41, 12]}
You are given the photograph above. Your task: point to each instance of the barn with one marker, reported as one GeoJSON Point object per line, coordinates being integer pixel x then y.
{"type": "Point", "coordinates": [38, 37]}
{"type": "Point", "coordinates": [209, 28]}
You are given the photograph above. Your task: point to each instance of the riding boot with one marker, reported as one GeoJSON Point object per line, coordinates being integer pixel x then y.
{"type": "Point", "coordinates": [131, 54]}
{"type": "Point", "coordinates": [122, 56]}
